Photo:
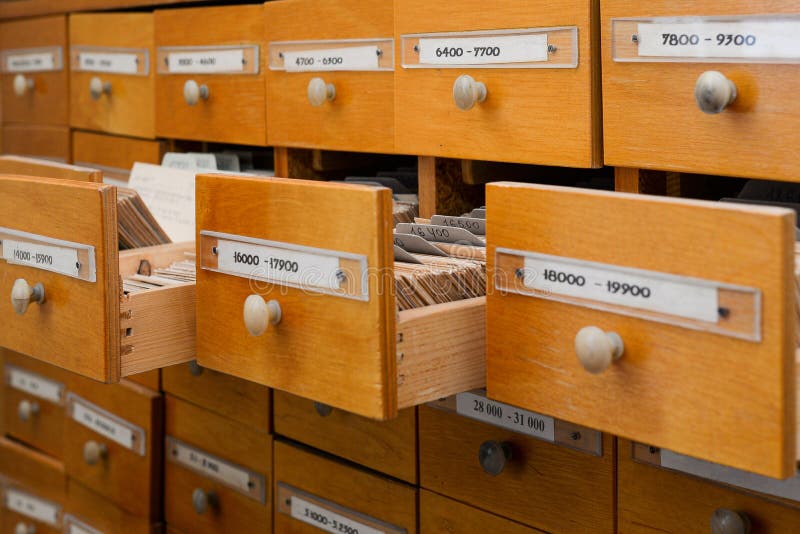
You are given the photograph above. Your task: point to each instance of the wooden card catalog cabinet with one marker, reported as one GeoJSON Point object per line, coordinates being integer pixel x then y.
{"type": "Point", "coordinates": [330, 82]}
{"type": "Point", "coordinates": [670, 321]}
{"type": "Point", "coordinates": [36, 140]}
{"type": "Point", "coordinates": [296, 291]}
{"type": "Point", "coordinates": [514, 82]}
{"type": "Point", "coordinates": [702, 87]}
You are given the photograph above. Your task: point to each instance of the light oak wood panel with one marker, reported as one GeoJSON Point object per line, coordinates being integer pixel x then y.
{"type": "Point", "coordinates": [97, 512]}
{"type": "Point", "coordinates": [148, 379]}
{"type": "Point", "coordinates": [29, 8]}
{"type": "Point", "coordinates": [32, 470]}
{"type": "Point", "coordinates": [37, 140]}
{"type": "Point", "coordinates": [235, 109]}
{"type": "Point", "coordinates": [386, 446]}
{"type": "Point", "coordinates": [673, 387]}
{"type": "Point", "coordinates": [48, 103]}
{"type": "Point", "coordinates": [42, 168]}
{"type": "Point", "coordinates": [361, 118]}
{"type": "Point", "coordinates": [651, 120]}
{"type": "Point", "coordinates": [543, 485]}
{"type": "Point", "coordinates": [114, 155]}
{"type": "Point", "coordinates": [543, 116]}
{"type": "Point", "coordinates": [360, 491]}
{"type": "Point", "coordinates": [130, 109]}
{"type": "Point", "coordinates": [440, 515]}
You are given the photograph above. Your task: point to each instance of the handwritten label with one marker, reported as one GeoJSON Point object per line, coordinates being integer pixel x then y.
{"type": "Point", "coordinates": [355, 58]}
{"type": "Point", "coordinates": [485, 50]}
{"type": "Point", "coordinates": [441, 234]}
{"type": "Point", "coordinates": [107, 425]}
{"type": "Point", "coordinates": [212, 467]}
{"type": "Point", "coordinates": [193, 161]}
{"type": "Point", "coordinates": [33, 507]}
{"type": "Point", "coordinates": [327, 520]}
{"type": "Point", "coordinates": [206, 61]}
{"type": "Point", "coordinates": [34, 384]}
{"type": "Point", "coordinates": [476, 226]}
{"type": "Point", "coordinates": [169, 193]}
{"type": "Point", "coordinates": [110, 62]}
{"type": "Point", "coordinates": [744, 39]}
{"type": "Point", "coordinates": [60, 260]}
{"type": "Point", "coordinates": [680, 297]}
{"type": "Point", "coordinates": [30, 62]}
{"type": "Point", "coordinates": [506, 416]}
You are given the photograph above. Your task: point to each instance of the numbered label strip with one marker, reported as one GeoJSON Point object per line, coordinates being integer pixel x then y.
{"type": "Point", "coordinates": [682, 301]}
{"type": "Point", "coordinates": [530, 48]}
{"type": "Point", "coordinates": [34, 507]}
{"type": "Point", "coordinates": [337, 55]}
{"type": "Point", "coordinates": [235, 477]}
{"type": "Point", "coordinates": [43, 59]}
{"type": "Point", "coordinates": [311, 269]}
{"type": "Point", "coordinates": [73, 525]}
{"type": "Point", "coordinates": [34, 384]}
{"type": "Point", "coordinates": [110, 60]}
{"type": "Point", "coordinates": [106, 424]}
{"type": "Point", "coordinates": [328, 516]}
{"type": "Point", "coordinates": [475, 405]}
{"type": "Point", "coordinates": [207, 59]}
{"type": "Point", "coordinates": [48, 254]}
{"type": "Point", "coordinates": [745, 39]}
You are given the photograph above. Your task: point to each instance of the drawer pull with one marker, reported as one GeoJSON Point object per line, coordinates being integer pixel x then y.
{"type": "Point", "coordinates": [192, 92]}
{"type": "Point", "coordinates": [98, 88]}
{"type": "Point", "coordinates": [493, 456]}
{"type": "Point", "coordinates": [202, 500]}
{"type": "Point", "coordinates": [195, 369]}
{"type": "Point", "coordinates": [259, 314]}
{"type": "Point", "coordinates": [596, 349]}
{"type": "Point", "coordinates": [320, 92]}
{"type": "Point", "coordinates": [23, 294]}
{"type": "Point", "coordinates": [714, 92]}
{"type": "Point", "coordinates": [27, 409]}
{"type": "Point", "coordinates": [22, 85]}
{"type": "Point", "coordinates": [323, 410]}
{"type": "Point", "coordinates": [24, 528]}
{"type": "Point", "coordinates": [725, 521]}
{"type": "Point", "coordinates": [467, 92]}
{"type": "Point", "coordinates": [93, 452]}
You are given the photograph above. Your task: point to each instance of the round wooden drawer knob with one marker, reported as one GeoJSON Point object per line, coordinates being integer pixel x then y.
{"type": "Point", "coordinates": [467, 92]}
{"type": "Point", "coordinates": [93, 452]}
{"type": "Point", "coordinates": [203, 500]}
{"type": "Point", "coordinates": [22, 294]}
{"type": "Point", "coordinates": [725, 521]}
{"type": "Point", "coordinates": [26, 410]}
{"type": "Point", "coordinates": [24, 528]}
{"type": "Point", "coordinates": [192, 92]}
{"type": "Point", "coordinates": [596, 349]}
{"type": "Point", "coordinates": [98, 88]}
{"type": "Point", "coordinates": [259, 314]}
{"type": "Point", "coordinates": [493, 456]}
{"type": "Point", "coordinates": [22, 84]}
{"type": "Point", "coordinates": [714, 92]}
{"type": "Point", "coordinates": [323, 410]}
{"type": "Point", "coordinates": [320, 92]}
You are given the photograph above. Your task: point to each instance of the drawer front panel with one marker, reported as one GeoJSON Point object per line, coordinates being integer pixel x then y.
{"type": "Point", "coordinates": [32, 471]}
{"type": "Point", "coordinates": [660, 389]}
{"type": "Point", "coordinates": [88, 510]}
{"type": "Point", "coordinates": [114, 155]}
{"type": "Point", "coordinates": [50, 142]}
{"type": "Point", "coordinates": [440, 515]}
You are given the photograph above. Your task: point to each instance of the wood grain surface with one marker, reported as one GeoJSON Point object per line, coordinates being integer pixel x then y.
{"type": "Point", "coordinates": [440, 515]}
{"type": "Point", "coordinates": [37, 140]}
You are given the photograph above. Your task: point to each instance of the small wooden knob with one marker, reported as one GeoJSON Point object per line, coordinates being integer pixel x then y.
{"type": "Point", "coordinates": [596, 349]}
{"type": "Point", "coordinates": [24, 528]}
{"type": "Point", "coordinates": [319, 92]}
{"type": "Point", "coordinates": [203, 500]}
{"type": "Point", "coordinates": [22, 85]}
{"type": "Point", "coordinates": [714, 92]}
{"type": "Point", "coordinates": [98, 88]}
{"type": "Point", "coordinates": [22, 294]}
{"type": "Point", "coordinates": [259, 314]}
{"type": "Point", "coordinates": [493, 456]}
{"type": "Point", "coordinates": [467, 92]}
{"type": "Point", "coordinates": [725, 521]}
{"type": "Point", "coordinates": [27, 409]}
{"type": "Point", "coordinates": [193, 92]}
{"type": "Point", "coordinates": [93, 452]}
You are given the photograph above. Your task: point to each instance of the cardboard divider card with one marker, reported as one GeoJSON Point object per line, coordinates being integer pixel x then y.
{"type": "Point", "coordinates": [442, 234]}
{"type": "Point", "coordinates": [192, 161]}
{"type": "Point", "coordinates": [169, 194]}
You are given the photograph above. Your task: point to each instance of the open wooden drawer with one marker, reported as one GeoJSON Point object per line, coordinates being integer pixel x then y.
{"type": "Point", "coordinates": [60, 242]}
{"type": "Point", "coordinates": [322, 255]}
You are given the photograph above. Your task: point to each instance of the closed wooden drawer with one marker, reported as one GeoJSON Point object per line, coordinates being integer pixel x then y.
{"type": "Point", "coordinates": [701, 295]}
{"type": "Point", "coordinates": [237, 399]}
{"type": "Point", "coordinates": [386, 446]}
{"type": "Point", "coordinates": [126, 333]}
{"type": "Point", "coordinates": [541, 106]}
{"type": "Point", "coordinates": [35, 70]}
{"type": "Point", "coordinates": [338, 296]}
{"type": "Point", "coordinates": [50, 142]}
{"type": "Point", "coordinates": [218, 472]}
{"type": "Point", "coordinates": [654, 499]}
{"type": "Point", "coordinates": [44, 168]}
{"type": "Point", "coordinates": [113, 443]}
{"type": "Point", "coordinates": [112, 80]}
{"type": "Point", "coordinates": [114, 155]}
{"type": "Point", "coordinates": [33, 402]}
{"type": "Point", "coordinates": [87, 511]}
{"type": "Point", "coordinates": [219, 49]}
{"type": "Point", "coordinates": [651, 117]}
{"type": "Point", "coordinates": [439, 514]}
{"type": "Point", "coordinates": [311, 490]}
{"type": "Point", "coordinates": [344, 43]}
{"type": "Point", "coordinates": [544, 485]}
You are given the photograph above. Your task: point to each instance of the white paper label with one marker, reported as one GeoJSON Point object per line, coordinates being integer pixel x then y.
{"type": "Point", "coordinates": [32, 507]}
{"type": "Point", "coordinates": [103, 425]}
{"type": "Point", "coordinates": [30, 62]}
{"type": "Point", "coordinates": [34, 384]}
{"type": "Point", "coordinates": [111, 62]}
{"type": "Point", "coordinates": [60, 260]}
{"type": "Point", "coordinates": [206, 61]}
{"type": "Point", "coordinates": [279, 265]}
{"type": "Point", "coordinates": [169, 194]}
{"type": "Point", "coordinates": [327, 520]}
{"type": "Point", "coordinates": [74, 526]}
{"type": "Point", "coordinates": [506, 416]}
{"type": "Point", "coordinates": [352, 58]}
{"type": "Point", "coordinates": [211, 467]}
{"type": "Point", "coordinates": [744, 39]}
{"type": "Point", "coordinates": [483, 50]}
{"type": "Point", "coordinates": [618, 286]}
{"type": "Point", "coordinates": [192, 161]}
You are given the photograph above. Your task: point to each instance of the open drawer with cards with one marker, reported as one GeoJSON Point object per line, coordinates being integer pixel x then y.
{"type": "Point", "coordinates": [297, 291]}
{"type": "Point", "coordinates": [669, 321]}
{"type": "Point", "coordinates": [62, 269]}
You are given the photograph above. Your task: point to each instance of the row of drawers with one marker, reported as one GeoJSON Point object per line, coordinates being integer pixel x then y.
{"type": "Point", "coordinates": [407, 98]}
